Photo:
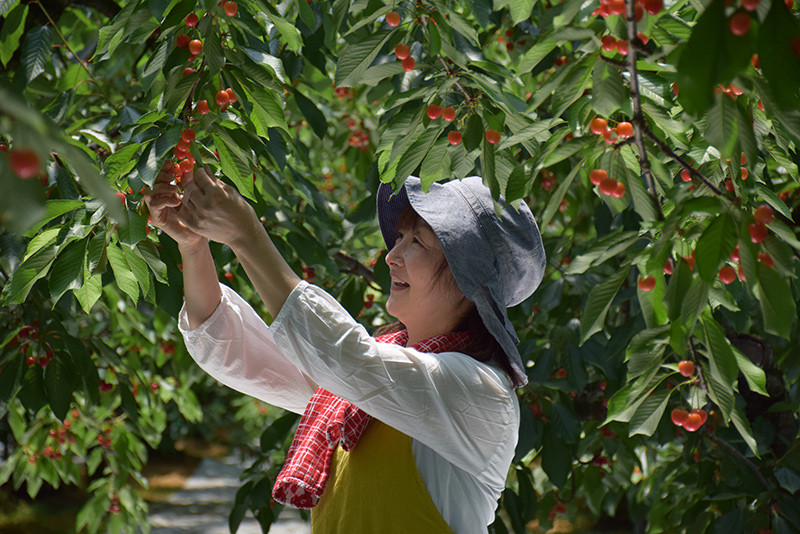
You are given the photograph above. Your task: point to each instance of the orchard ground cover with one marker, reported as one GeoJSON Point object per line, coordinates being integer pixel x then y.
{"type": "Point", "coordinates": [656, 142]}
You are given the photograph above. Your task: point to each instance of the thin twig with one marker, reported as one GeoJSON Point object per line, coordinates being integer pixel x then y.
{"type": "Point", "coordinates": [187, 106]}
{"type": "Point", "coordinates": [742, 457]}
{"type": "Point", "coordinates": [665, 148]}
{"type": "Point", "coordinates": [356, 267]}
{"type": "Point", "coordinates": [638, 117]}
{"type": "Point", "coordinates": [80, 62]}
{"type": "Point", "coordinates": [614, 63]}
{"type": "Point", "coordinates": [457, 84]}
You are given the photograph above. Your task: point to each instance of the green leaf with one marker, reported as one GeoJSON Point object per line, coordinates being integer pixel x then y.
{"type": "Point", "coordinates": [36, 51]}
{"type": "Point", "coordinates": [267, 111]}
{"type": "Point", "coordinates": [473, 133]}
{"type": "Point", "coordinates": [715, 246]}
{"type": "Point", "coordinates": [743, 426]}
{"type": "Point", "coordinates": [59, 384]}
{"type": "Point", "coordinates": [212, 50]}
{"type": "Point", "coordinates": [722, 129]}
{"type": "Point", "coordinates": [90, 291]}
{"type": "Point", "coordinates": [54, 208]}
{"type": "Point", "coordinates": [556, 457]}
{"type": "Point", "coordinates": [647, 416]}
{"type": "Point", "coordinates": [555, 199]}
{"type": "Point", "coordinates": [535, 54]}
{"type": "Point", "coordinates": [120, 162]}
{"type": "Point", "coordinates": [608, 91]}
{"type": "Point", "coordinates": [16, 290]}
{"type": "Point", "coordinates": [723, 362]}
{"type": "Point", "coordinates": [412, 157]}
{"type": "Point", "coordinates": [67, 271]}
{"type": "Point", "coordinates": [777, 303]}
{"type": "Point", "coordinates": [126, 281]}
{"type": "Point", "coordinates": [288, 31]}
{"type": "Point", "coordinates": [12, 30]}
{"type": "Point", "coordinates": [779, 65]}
{"type": "Point", "coordinates": [139, 269]}
{"type": "Point", "coordinates": [520, 9]}
{"type": "Point", "coordinates": [234, 163]}
{"type": "Point", "coordinates": [312, 114]}
{"type": "Point", "coordinates": [694, 302]}
{"type": "Point", "coordinates": [713, 55]}
{"type": "Point", "coordinates": [436, 165]}
{"type": "Point", "coordinates": [599, 302]}
{"type": "Point", "coordinates": [755, 376]}
{"type": "Point", "coordinates": [678, 285]}
{"type": "Point", "coordinates": [354, 59]}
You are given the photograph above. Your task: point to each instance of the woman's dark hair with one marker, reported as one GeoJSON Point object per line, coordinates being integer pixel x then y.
{"type": "Point", "coordinates": [482, 346]}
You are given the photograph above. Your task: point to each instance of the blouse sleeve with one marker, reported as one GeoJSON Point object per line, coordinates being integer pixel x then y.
{"type": "Point", "coordinates": [463, 409]}
{"type": "Point", "coordinates": [236, 347]}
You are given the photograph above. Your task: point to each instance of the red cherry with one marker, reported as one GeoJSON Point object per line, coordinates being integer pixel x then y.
{"type": "Point", "coordinates": [402, 51]}
{"type": "Point", "coordinates": [795, 45]}
{"type": "Point", "coordinates": [392, 19]}
{"type": "Point", "coordinates": [202, 107]}
{"type": "Point", "coordinates": [608, 186]}
{"type": "Point", "coordinates": [492, 136]}
{"type": "Point", "coordinates": [647, 283]}
{"type": "Point", "coordinates": [693, 421]}
{"type": "Point", "coordinates": [686, 367]}
{"type": "Point", "coordinates": [745, 173]}
{"type": "Point", "coordinates": [188, 70]}
{"type": "Point", "coordinates": [31, 361]}
{"type": "Point", "coordinates": [679, 416]}
{"type": "Point", "coordinates": [616, 7]}
{"type": "Point", "coordinates": [191, 20]}
{"type": "Point", "coordinates": [231, 96]}
{"type": "Point", "coordinates": [766, 259]}
{"type": "Point", "coordinates": [229, 276]}
{"type": "Point", "coordinates": [182, 40]}
{"type": "Point", "coordinates": [739, 23]}
{"type": "Point", "coordinates": [758, 232]}
{"type": "Point", "coordinates": [408, 64]}
{"type": "Point", "coordinates": [727, 274]}
{"type": "Point", "coordinates": [24, 162]}
{"type": "Point", "coordinates": [231, 8]}
{"type": "Point", "coordinates": [668, 267]}
{"type": "Point", "coordinates": [625, 130]}
{"type": "Point", "coordinates": [186, 166]}
{"type": "Point", "coordinates": [643, 38]}
{"type": "Point", "coordinates": [763, 214]}
{"type": "Point", "coordinates": [686, 176]}
{"type": "Point", "coordinates": [622, 47]}
{"type": "Point", "coordinates": [454, 137]}
{"type": "Point", "coordinates": [222, 98]}
{"type": "Point", "coordinates": [609, 43]}
{"type": "Point", "coordinates": [122, 198]}
{"type": "Point", "coordinates": [597, 176]}
{"type": "Point", "coordinates": [598, 126]}
{"type": "Point", "coordinates": [653, 7]}
{"type": "Point", "coordinates": [434, 111]}
{"type": "Point", "coordinates": [3, 147]}
{"type": "Point", "coordinates": [619, 190]}
{"type": "Point", "coordinates": [195, 46]}
{"type": "Point", "coordinates": [448, 113]}
{"type": "Point", "coordinates": [735, 253]}
{"type": "Point", "coordinates": [751, 5]}
{"type": "Point", "coordinates": [188, 135]}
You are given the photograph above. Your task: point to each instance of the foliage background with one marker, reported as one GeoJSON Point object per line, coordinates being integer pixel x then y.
{"type": "Point", "coordinates": [93, 373]}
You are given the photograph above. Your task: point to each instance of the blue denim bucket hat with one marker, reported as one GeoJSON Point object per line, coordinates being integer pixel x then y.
{"type": "Point", "coordinates": [497, 262]}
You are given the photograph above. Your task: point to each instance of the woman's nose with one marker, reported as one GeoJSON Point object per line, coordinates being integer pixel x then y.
{"type": "Point", "coordinates": [394, 256]}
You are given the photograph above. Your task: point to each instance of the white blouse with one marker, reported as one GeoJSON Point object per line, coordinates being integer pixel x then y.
{"type": "Point", "coordinates": [462, 415]}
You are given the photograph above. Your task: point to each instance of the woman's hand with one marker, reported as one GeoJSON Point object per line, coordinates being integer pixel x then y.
{"type": "Point", "coordinates": [215, 210]}
{"type": "Point", "coordinates": [164, 203]}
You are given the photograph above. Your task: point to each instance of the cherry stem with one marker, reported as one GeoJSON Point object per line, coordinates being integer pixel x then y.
{"type": "Point", "coordinates": [638, 118]}
{"type": "Point", "coordinates": [457, 84]}
{"type": "Point", "coordinates": [187, 106]}
{"type": "Point", "coordinates": [80, 62]}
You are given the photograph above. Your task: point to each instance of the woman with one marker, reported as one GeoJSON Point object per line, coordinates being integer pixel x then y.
{"type": "Point", "coordinates": [426, 415]}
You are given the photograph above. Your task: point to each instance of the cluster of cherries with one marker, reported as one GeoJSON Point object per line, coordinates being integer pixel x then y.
{"type": "Point", "coordinates": [690, 420]}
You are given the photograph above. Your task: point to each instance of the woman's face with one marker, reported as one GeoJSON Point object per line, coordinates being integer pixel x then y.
{"type": "Point", "coordinates": [426, 303]}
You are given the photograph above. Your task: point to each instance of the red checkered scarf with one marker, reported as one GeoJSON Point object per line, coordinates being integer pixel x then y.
{"type": "Point", "coordinates": [329, 421]}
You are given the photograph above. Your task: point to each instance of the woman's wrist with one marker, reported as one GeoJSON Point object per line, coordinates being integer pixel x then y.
{"type": "Point", "coordinates": [192, 248]}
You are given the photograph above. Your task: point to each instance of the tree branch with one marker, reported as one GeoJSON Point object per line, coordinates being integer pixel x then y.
{"type": "Point", "coordinates": [355, 266]}
{"type": "Point", "coordinates": [458, 85]}
{"type": "Point", "coordinates": [638, 117]}
{"type": "Point", "coordinates": [742, 457]}
{"type": "Point", "coordinates": [672, 154]}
